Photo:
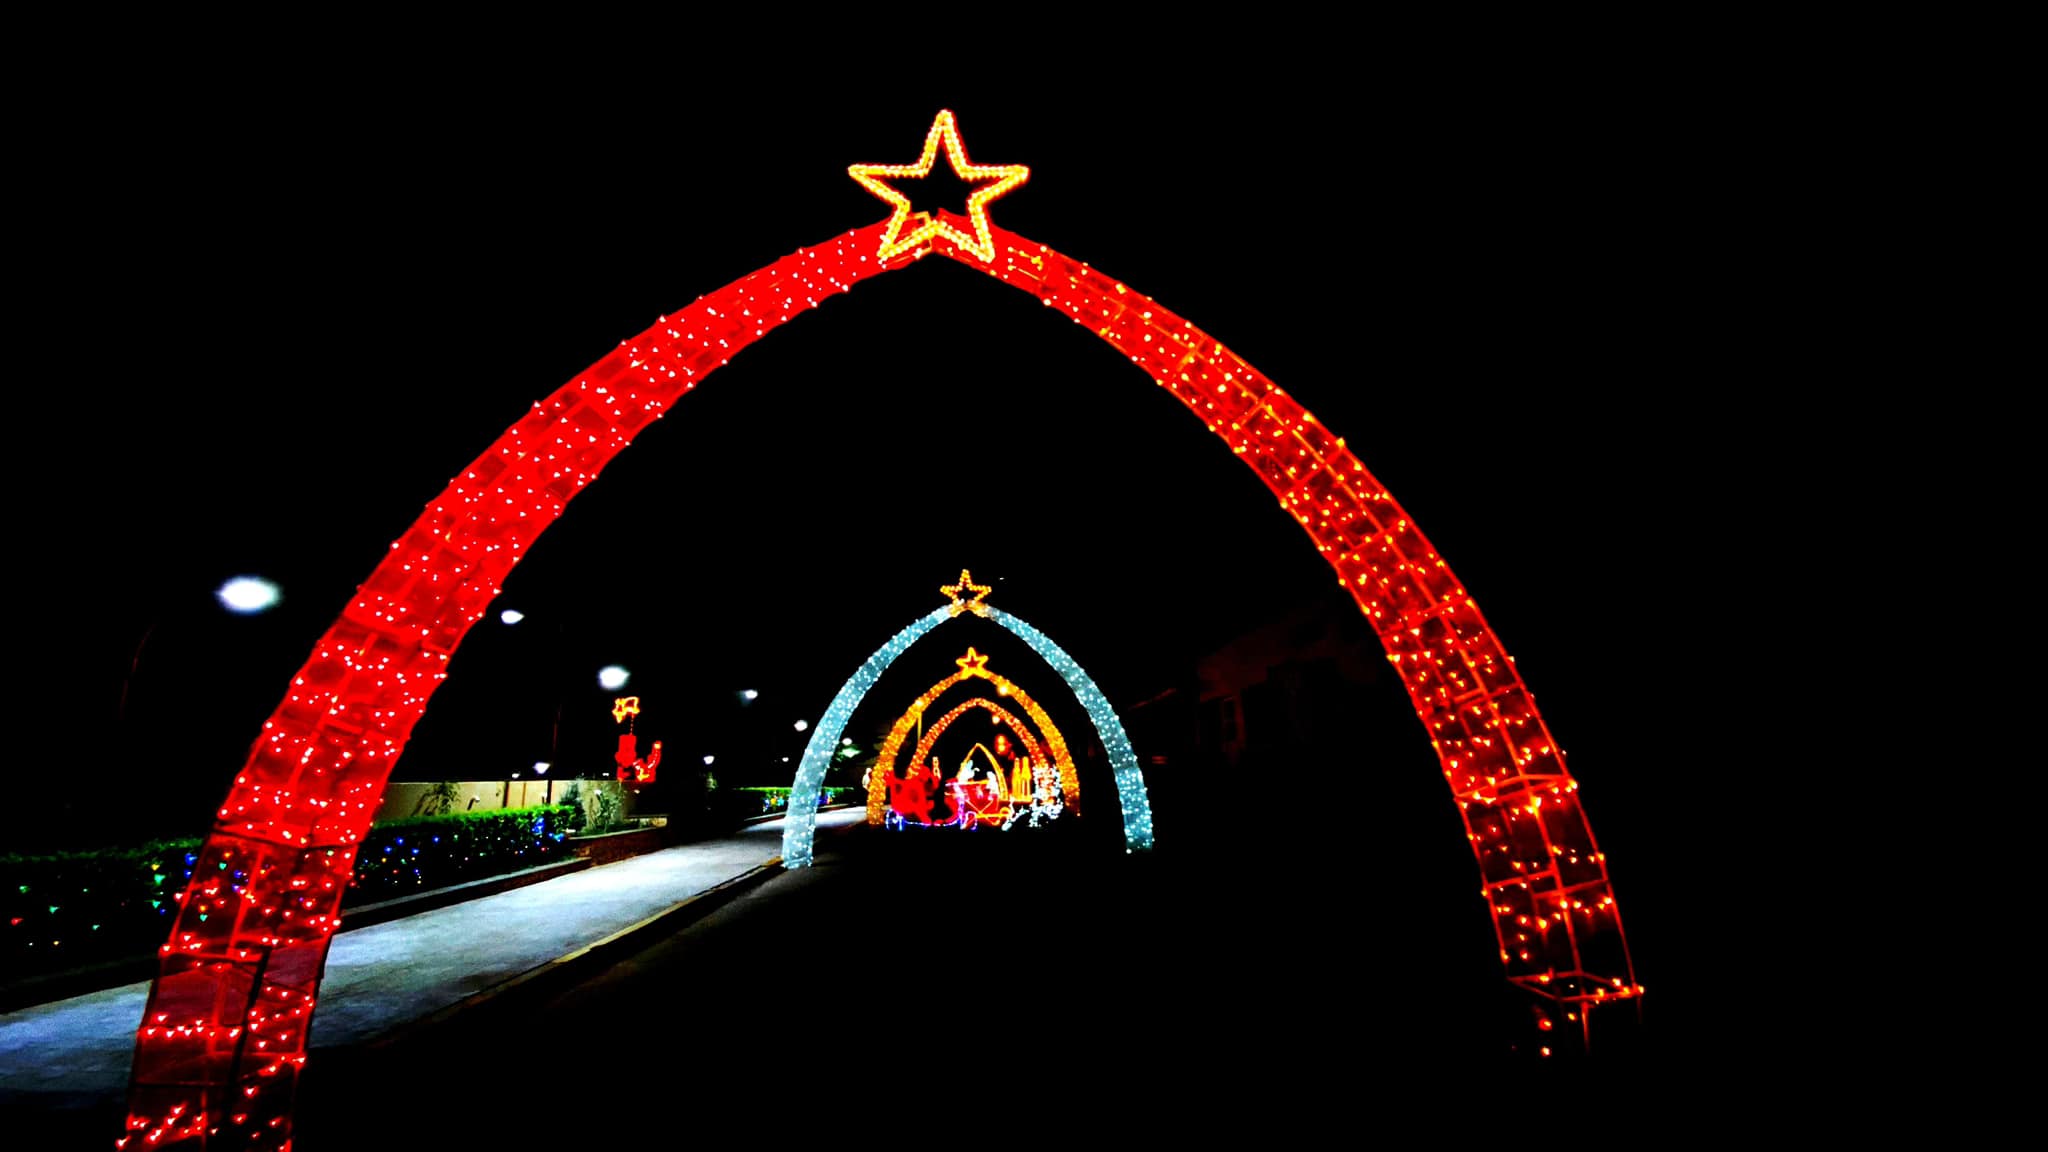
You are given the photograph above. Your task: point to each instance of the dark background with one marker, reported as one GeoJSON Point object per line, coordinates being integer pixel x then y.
{"type": "Point", "coordinates": [1535, 295]}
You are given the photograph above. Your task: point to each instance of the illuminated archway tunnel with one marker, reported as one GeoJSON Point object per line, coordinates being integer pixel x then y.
{"type": "Point", "coordinates": [223, 1036]}
{"type": "Point", "coordinates": [1037, 763]}
{"type": "Point", "coordinates": [801, 823]}
{"type": "Point", "coordinates": [972, 665]}
{"type": "Point", "coordinates": [1034, 752]}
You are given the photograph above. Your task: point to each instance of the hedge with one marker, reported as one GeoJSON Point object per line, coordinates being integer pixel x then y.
{"type": "Point", "coordinates": [68, 910]}
{"type": "Point", "coordinates": [777, 799]}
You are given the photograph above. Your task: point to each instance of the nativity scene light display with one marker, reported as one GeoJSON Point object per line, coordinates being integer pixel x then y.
{"type": "Point", "coordinates": [999, 782]}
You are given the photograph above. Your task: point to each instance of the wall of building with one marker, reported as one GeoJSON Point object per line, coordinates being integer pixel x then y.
{"type": "Point", "coordinates": [407, 799]}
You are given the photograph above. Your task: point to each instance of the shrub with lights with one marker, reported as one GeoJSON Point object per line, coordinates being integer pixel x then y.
{"type": "Point", "coordinates": [71, 910]}
{"type": "Point", "coordinates": [411, 855]}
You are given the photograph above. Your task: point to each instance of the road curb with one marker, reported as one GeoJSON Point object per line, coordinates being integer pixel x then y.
{"type": "Point", "coordinates": [573, 965]}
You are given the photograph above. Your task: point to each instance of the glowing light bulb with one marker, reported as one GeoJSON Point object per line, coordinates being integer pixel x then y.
{"type": "Point", "coordinates": [248, 595]}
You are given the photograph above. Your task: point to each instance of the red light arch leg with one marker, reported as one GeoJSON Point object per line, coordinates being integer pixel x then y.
{"type": "Point", "coordinates": [224, 1034]}
{"type": "Point", "coordinates": [1542, 875]}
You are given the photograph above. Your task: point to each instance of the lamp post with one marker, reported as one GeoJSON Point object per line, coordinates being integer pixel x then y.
{"type": "Point", "coordinates": [610, 678]}
{"type": "Point", "coordinates": [194, 686]}
{"type": "Point", "coordinates": [134, 666]}
{"type": "Point", "coordinates": [241, 596]}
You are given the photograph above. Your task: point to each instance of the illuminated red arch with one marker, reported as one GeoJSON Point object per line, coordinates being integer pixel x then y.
{"type": "Point", "coordinates": [224, 1034]}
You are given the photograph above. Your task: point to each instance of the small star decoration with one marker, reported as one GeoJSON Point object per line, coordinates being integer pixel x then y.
{"type": "Point", "coordinates": [1000, 179]}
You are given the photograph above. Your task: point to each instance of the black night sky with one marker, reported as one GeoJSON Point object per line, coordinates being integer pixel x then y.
{"type": "Point", "coordinates": [305, 305]}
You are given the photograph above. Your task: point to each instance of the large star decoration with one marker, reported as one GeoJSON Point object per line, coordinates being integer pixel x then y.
{"type": "Point", "coordinates": [1001, 177]}
{"type": "Point", "coordinates": [973, 664]}
{"type": "Point", "coordinates": [976, 593]}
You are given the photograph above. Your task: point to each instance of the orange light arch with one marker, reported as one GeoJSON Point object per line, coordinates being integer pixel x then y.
{"type": "Point", "coordinates": [970, 668]}
{"type": "Point", "coordinates": [1034, 752]}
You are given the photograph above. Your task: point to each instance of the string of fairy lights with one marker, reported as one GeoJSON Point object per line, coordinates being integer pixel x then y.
{"type": "Point", "coordinates": [224, 1038]}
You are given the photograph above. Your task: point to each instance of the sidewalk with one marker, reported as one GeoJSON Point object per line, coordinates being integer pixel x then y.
{"type": "Point", "coordinates": [76, 1053]}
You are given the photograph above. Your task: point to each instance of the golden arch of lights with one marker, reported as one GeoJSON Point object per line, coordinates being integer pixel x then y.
{"type": "Point", "coordinates": [973, 665]}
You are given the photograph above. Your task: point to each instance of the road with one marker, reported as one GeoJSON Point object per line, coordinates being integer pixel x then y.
{"type": "Point", "coordinates": [930, 982]}
{"type": "Point", "coordinates": [1248, 982]}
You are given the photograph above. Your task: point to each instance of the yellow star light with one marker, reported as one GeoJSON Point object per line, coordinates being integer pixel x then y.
{"type": "Point", "coordinates": [625, 706]}
{"type": "Point", "coordinates": [1001, 177]}
{"type": "Point", "coordinates": [973, 664]}
{"type": "Point", "coordinates": [966, 584]}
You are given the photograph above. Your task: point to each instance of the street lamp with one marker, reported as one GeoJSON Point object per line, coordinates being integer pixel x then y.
{"type": "Point", "coordinates": [241, 596]}
{"type": "Point", "coordinates": [559, 654]}
{"type": "Point", "coordinates": [247, 595]}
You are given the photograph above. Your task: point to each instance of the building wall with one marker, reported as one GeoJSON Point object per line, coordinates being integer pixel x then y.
{"type": "Point", "coordinates": [1290, 687]}
{"type": "Point", "coordinates": [405, 799]}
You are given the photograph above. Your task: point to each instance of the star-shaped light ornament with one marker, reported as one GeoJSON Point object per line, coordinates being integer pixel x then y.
{"type": "Point", "coordinates": [976, 593]}
{"type": "Point", "coordinates": [973, 664]}
{"type": "Point", "coordinates": [1000, 178]}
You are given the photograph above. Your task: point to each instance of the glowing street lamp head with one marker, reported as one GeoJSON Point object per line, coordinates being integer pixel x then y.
{"type": "Point", "coordinates": [802, 724]}
{"type": "Point", "coordinates": [511, 616]}
{"type": "Point", "coordinates": [247, 595]}
{"type": "Point", "coordinates": [611, 677]}
{"type": "Point", "coordinates": [540, 767]}
{"type": "Point", "coordinates": [748, 696]}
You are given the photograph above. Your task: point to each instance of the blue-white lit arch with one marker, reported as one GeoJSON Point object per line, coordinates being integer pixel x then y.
{"type": "Point", "coordinates": [801, 823]}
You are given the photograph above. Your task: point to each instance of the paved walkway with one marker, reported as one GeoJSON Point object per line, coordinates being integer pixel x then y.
{"type": "Point", "coordinates": [76, 1053]}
